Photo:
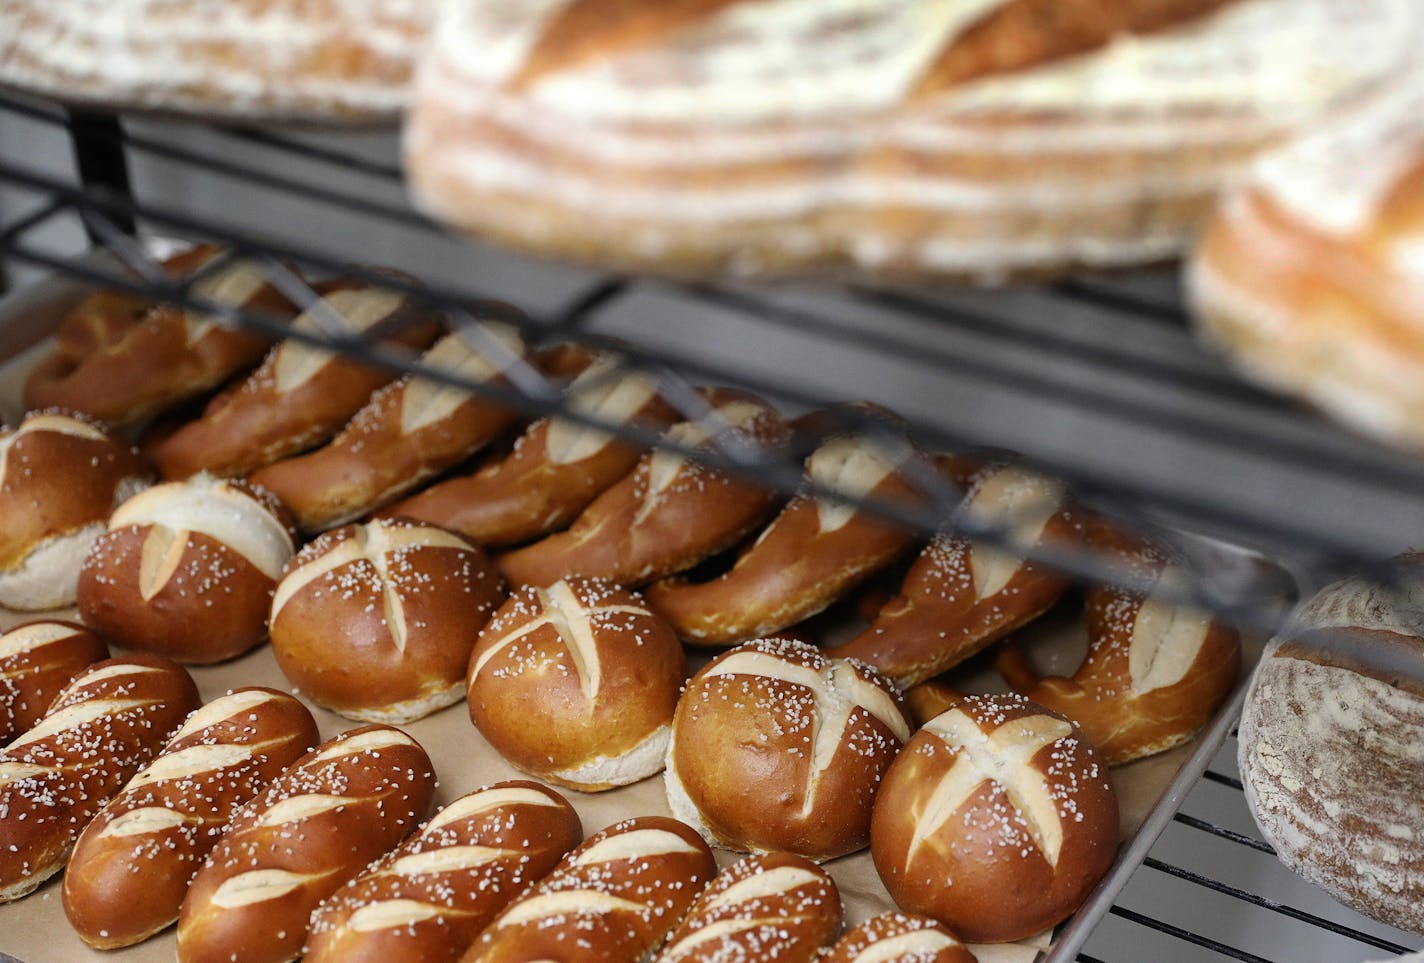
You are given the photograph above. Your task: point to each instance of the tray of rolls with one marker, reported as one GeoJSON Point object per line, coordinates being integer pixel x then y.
{"type": "Point", "coordinates": [313, 660]}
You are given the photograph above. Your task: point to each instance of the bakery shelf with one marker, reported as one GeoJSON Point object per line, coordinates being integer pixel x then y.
{"type": "Point", "coordinates": [1097, 379]}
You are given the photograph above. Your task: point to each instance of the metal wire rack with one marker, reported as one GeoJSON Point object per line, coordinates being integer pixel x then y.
{"type": "Point", "coordinates": [1096, 380]}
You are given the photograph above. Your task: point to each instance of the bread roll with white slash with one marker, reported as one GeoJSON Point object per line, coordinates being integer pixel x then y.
{"type": "Point", "coordinates": [815, 551]}
{"type": "Point", "coordinates": [427, 901]}
{"type": "Point", "coordinates": [60, 478]}
{"type": "Point", "coordinates": [186, 569]}
{"type": "Point", "coordinates": [576, 683]}
{"type": "Point", "coordinates": [776, 747]}
{"type": "Point", "coordinates": [616, 897]}
{"type": "Point", "coordinates": [131, 867]}
{"type": "Point", "coordinates": [37, 660]}
{"type": "Point", "coordinates": [106, 724]}
{"type": "Point", "coordinates": [409, 600]}
{"type": "Point", "coordinates": [557, 467]}
{"type": "Point", "coordinates": [301, 395]}
{"type": "Point", "coordinates": [410, 431]}
{"type": "Point", "coordinates": [898, 938]}
{"type": "Point", "coordinates": [772, 907]}
{"type": "Point", "coordinates": [314, 827]}
{"type": "Point", "coordinates": [672, 511]}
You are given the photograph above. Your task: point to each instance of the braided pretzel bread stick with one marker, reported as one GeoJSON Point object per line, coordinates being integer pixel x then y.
{"type": "Point", "coordinates": [772, 907]}
{"type": "Point", "coordinates": [556, 469]}
{"type": "Point", "coordinates": [962, 595]}
{"type": "Point", "coordinates": [125, 373]}
{"type": "Point", "coordinates": [37, 660]}
{"type": "Point", "coordinates": [1155, 672]}
{"type": "Point", "coordinates": [897, 938]}
{"type": "Point", "coordinates": [427, 901]}
{"type": "Point", "coordinates": [812, 553]}
{"type": "Point", "coordinates": [131, 866]}
{"type": "Point", "coordinates": [109, 721]}
{"type": "Point", "coordinates": [314, 827]}
{"type": "Point", "coordinates": [300, 395]}
{"type": "Point", "coordinates": [409, 431]}
{"type": "Point", "coordinates": [671, 512]}
{"type": "Point", "coordinates": [616, 897]}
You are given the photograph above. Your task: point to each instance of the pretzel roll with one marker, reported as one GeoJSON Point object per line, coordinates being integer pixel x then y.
{"type": "Point", "coordinates": [962, 594]}
{"type": "Point", "coordinates": [897, 938]}
{"type": "Point", "coordinates": [775, 907]}
{"type": "Point", "coordinates": [314, 827]}
{"type": "Point", "coordinates": [37, 660]}
{"type": "Point", "coordinates": [60, 477]}
{"type": "Point", "coordinates": [776, 747]}
{"type": "Point", "coordinates": [815, 551]}
{"type": "Point", "coordinates": [131, 866]}
{"type": "Point", "coordinates": [427, 901]}
{"type": "Point", "coordinates": [300, 395]}
{"type": "Point", "coordinates": [410, 600]}
{"type": "Point", "coordinates": [187, 569]}
{"type": "Point", "coordinates": [996, 820]}
{"type": "Point", "coordinates": [132, 366]}
{"type": "Point", "coordinates": [409, 431]}
{"type": "Point", "coordinates": [1156, 671]}
{"type": "Point", "coordinates": [671, 512]}
{"type": "Point", "coordinates": [103, 726]}
{"type": "Point", "coordinates": [557, 466]}
{"type": "Point", "coordinates": [616, 897]}
{"type": "Point", "coordinates": [929, 699]}
{"type": "Point", "coordinates": [576, 684]}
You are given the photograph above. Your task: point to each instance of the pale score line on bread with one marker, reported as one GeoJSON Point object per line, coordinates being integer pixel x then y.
{"type": "Point", "coordinates": [599, 395]}
{"type": "Point", "coordinates": [664, 465]}
{"type": "Point", "coordinates": [28, 638]}
{"type": "Point", "coordinates": [425, 402]}
{"type": "Point", "coordinates": [905, 946]}
{"type": "Point", "coordinates": [347, 312]}
{"type": "Point", "coordinates": [1166, 640]}
{"type": "Point", "coordinates": [59, 424]}
{"type": "Point", "coordinates": [1017, 503]}
{"type": "Point", "coordinates": [1003, 758]}
{"type": "Point", "coordinates": [772, 882]}
{"type": "Point", "coordinates": [231, 286]}
{"type": "Point", "coordinates": [849, 466]}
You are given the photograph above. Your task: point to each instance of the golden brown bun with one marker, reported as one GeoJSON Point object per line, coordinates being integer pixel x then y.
{"type": "Point", "coordinates": [122, 366]}
{"type": "Point", "coordinates": [186, 569]}
{"type": "Point", "coordinates": [776, 747]}
{"type": "Point", "coordinates": [409, 600]}
{"type": "Point", "coordinates": [616, 897]}
{"type": "Point", "coordinates": [427, 901]}
{"type": "Point", "coordinates": [897, 938]}
{"type": "Point", "coordinates": [1155, 673]}
{"type": "Point", "coordinates": [929, 699]}
{"type": "Point", "coordinates": [131, 866]}
{"type": "Point", "coordinates": [37, 660]}
{"type": "Point", "coordinates": [106, 724]}
{"type": "Point", "coordinates": [1007, 800]}
{"type": "Point", "coordinates": [314, 827]}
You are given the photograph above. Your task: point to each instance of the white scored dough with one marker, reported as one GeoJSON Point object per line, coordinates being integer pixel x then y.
{"type": "Point", "coordinates": [634, 844]}
{"type": "Point", "coordinates": [483, 801]}
{"type": "Point", "coordinates": [602, 396]}
{"type": "Point", "coordinates": [224, 708]}
{"type": "Point", "coordinates": [350, 311]}
{"type": "Point", "coordinates": [364, 742]}
{"type": "Point", "coordinates": [142, 822]}
{"type": "Point", "coordinates": [848, 466]}
{"type": "Point", "coordinates": [567, 903]}
{"type": "Point", "coordinates": [770, 882]}
{"type": "Point", "coordinates": [25, 638]}
{"type": "Point", "coordinates": [231, 286]}
{"type": "Point", "coordinates": [425, 402]}
{"type": "Point", "coordinates": [259, 886]}
{"type": "Point", "coordinates": [389, 914]}
{"type": "Point", "coordinates": [1017, 503]}
{"type": "Point", "coordinates": [905, 946]}
{"type": "Point", "coordinates": [78, 716]}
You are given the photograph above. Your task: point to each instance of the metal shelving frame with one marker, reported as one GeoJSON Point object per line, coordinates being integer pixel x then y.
{"type": "Point", "coordinates": [103, 201]}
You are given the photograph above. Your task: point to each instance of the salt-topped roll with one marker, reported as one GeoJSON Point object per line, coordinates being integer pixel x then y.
{"type": "Point", "coordinates": [898, 938]}
{"type": "Point", "coordinates": [37, 660]}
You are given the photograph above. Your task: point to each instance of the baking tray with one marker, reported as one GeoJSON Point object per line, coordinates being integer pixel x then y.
{"type": "Point", "coordinates": [34, 930]}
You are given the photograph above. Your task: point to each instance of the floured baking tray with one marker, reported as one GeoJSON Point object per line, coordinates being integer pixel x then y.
{"type": "Point", "coordinates": [34, 930]}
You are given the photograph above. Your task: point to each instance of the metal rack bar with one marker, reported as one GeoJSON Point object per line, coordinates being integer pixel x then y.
{"type": "Point", "coordinates": [1206, 942]}
{"type": "Point", "coordinates": [98, 145]}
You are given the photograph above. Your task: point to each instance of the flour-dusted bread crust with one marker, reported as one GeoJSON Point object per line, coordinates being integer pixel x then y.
{"type": "Point", "coordinates": [996, 820]}
{"type": "Point", "coordinates": [131, 867]}
{"type": "Point", "coordinates": [427, 901]}
{"type": "Point", "coordinates": [897, 938]}
{"type": "Point", "coordinates": [37, 660]}
{"type": "Point", "coordinates": [576, 683]}
{"type": "Point", "coordinates": [972, 137]}
{"type": "Point", "coordinates": [338, 61]}
{"type": "Point", "coordinates": [1332, 745]}
{"type": "Point", "coordinates": [61, 476]}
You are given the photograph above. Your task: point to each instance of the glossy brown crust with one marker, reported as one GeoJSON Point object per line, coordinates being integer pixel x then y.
{"type": "Point", "coordinates": [128, 874]}
{"type": "Point", "coordinates": [314, 827]}
{"type": "Point", "coordinates": [937, 945]}
{"type": "Point", "coordinates": [1125, 725]}
{"type": "Point", "coordinates": [102, 728]}
{"type": "Point", "coordinates": [939, 619]}
{"type": "Point", "coordinates": [410, 600]}
{"type": "Point", "coordinates": [253, 424]}
{"type": "Point", "coordinates": [766, 763]}
{"type": "Point", "coordinates": [55, 483]}
{"type": "Point", "coordinates": [929, 699]}
{"type": "Point", "coordinates": [780, 908]}
{"type": "Point", "coordinates": [122, 369]}
{"type": "Point", "coordinates": [439, 895]}
{"type": "Point", "coordinates": [37, 660]}
{"type": "Point", "coordinates": [616, 897]}
{"type": "Point", "coordinates": [632, 534]}
{"type": "Point", "coordinates": [983, 868]}
{"type": "Point", "coordinates": [551, 706]}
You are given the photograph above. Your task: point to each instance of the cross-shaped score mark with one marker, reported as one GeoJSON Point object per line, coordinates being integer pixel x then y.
{"type": "Point", "coordinates": [1003, 758]}
{"type": "Point", "coordinates": [561, 607]}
